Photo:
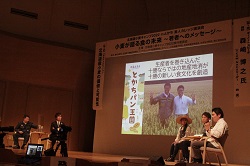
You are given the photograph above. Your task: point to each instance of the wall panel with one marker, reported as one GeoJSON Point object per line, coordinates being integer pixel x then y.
{"type": "Point", "coordinates": [15, 103]}
{"type": "Point", "coordinates": [46, 102]}
{"type": "Point", "coordinates": [43, 79]}
{"type": "Point", "coordinates": [2, 93]}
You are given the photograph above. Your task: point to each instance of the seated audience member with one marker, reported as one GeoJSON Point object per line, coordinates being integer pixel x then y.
{"type": "Point", "coordinates": [216, 132]}
{"type": "Point", "coordinates": [183, 131]}
{"type": "Point", "coordinates": [22, 129]}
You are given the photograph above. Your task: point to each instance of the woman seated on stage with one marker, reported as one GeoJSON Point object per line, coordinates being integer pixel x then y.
{"type": "Point", "coordinates": [179, 143]}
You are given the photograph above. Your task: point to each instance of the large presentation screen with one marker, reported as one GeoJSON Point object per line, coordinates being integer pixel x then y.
{"type": "Point", "coordinates": [157, 92]}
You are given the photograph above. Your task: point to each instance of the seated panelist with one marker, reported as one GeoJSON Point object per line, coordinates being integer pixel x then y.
{"type": "Point", "coordinates": [56, 129]}
{"type": "Point", "coordinates": [206, 118]}
{"type": "Point", "coordinates": [22, 129]}
{"type": "Point", "coordinates": [213, 134]}
{"type": "Point", "coordinates": [179, 142]}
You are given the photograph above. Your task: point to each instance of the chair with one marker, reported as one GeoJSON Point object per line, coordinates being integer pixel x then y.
{"type": "Point", "coordinates": [10, 141]}
{"type": "Point", "coordinates": [47, 141]}
{"type": "Point", "coordinates": [180, 154]}
{"type": "Point", "coordinates": [221, 141]}
{"type": "Point", "coordinates": [48, 144]}
{"type": "Point", "coordinates": [190, 153]}
{"type": "Point", "coordinates": [20, 140]}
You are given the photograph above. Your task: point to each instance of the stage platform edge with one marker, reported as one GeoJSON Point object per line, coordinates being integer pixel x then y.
{"type": "Point", "coordinates": [77, 158]}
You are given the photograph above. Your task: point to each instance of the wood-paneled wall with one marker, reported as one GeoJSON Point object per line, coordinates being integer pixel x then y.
{"type": "Point", "coordinates": [40, 79]}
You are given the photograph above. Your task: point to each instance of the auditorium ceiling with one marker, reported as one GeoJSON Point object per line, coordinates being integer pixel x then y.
{"type": "Point", "coordinates": [82, 23]}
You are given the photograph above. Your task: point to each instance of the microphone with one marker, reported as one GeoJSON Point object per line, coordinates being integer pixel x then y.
{"type": "Point", "coordinates": [210, 123]}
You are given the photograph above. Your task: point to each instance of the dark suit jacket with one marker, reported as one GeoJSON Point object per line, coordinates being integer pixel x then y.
{"type": "Point", "coordinates": [55, 133]}
{"type": "Point", "coordinates": [25, 128]}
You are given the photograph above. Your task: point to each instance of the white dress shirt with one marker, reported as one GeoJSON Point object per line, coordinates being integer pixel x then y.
{"type": "Point", "coordinates": [181, 104]}
{"type": "Point", "coordinates": [217, 131]}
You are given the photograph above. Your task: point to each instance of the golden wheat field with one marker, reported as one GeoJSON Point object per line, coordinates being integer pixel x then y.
{"type": "Point", "coordinates": [203, 94]}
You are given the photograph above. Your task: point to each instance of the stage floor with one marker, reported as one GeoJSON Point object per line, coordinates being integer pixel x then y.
{"type": "Point", "coordinates": [103, 158]}
{"type": "Point", "coordinates": [96, 157]}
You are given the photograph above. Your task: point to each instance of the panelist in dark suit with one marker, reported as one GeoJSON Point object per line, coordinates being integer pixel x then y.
{"type": "Point", "coordinates": [56, 129]}
{"type": "Point", "coordinates": [22, 129]}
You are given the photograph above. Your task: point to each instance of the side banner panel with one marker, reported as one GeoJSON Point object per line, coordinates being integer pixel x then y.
{"type": "Point", "coordinates": [99, 75]}
{"type": "Point", "coordinates": [241, 45]}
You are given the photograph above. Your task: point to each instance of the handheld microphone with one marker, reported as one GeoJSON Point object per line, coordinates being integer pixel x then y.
{"type": "Point", "coordinates": [209, 122]}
